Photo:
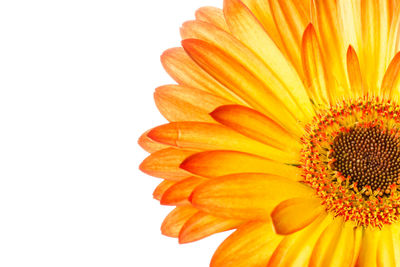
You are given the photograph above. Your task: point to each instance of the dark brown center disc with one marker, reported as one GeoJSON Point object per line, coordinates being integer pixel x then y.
{"type": "Point", "coordinates": [369, 156]}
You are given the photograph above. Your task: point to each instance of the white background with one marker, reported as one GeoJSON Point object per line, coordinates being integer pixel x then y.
{"type": "Point", "coordinates": [76, 85]}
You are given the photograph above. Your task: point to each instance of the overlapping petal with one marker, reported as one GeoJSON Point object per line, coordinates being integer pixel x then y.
{"type": "Point", "coordinates": [186, 72]}
{"type": "Point", "coordinates": [178, 193]}
{"type": "Point", "coordinates": [209, 136]}
{"type": "Point", "coordinates": [202, 224]}
{"type": "Point", "coordinates": [257, 126]}
{"type": "Point", "coordinates": [248, 30]}
{"type": "Point", "coordinates": [161, 188]}
{"type": "Point", "coordinates": [150, 145]}
{"type": "Point", "coordinates": [212, 15]}
{"type": "Point", "coordinates": [336, 246]}
{"type": "Point", "coordinates": [175, 220]}
{"type": "Point", "coordinates": [165, 164]}
{"type": "Point", "coordinates": [209, 164]}
{"type": "Point", "coordinates": [180, 103]}
{"type": "Point", "coordinates": [251, 245]}
{"type": "Point", "coordinates": [246, 196]}
{"type": "Point", "coordinates": [294, 214]}
{"type": "Point", "coordinates": [296, 249]}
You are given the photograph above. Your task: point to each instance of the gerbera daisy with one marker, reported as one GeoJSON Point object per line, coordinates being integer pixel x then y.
{"type": "Point", "coordinates": [284, 125]}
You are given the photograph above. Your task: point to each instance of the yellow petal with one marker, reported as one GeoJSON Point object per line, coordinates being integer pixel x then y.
{"type": "Point", "coordinates": [395, 229]}
{"type": "Point", "coordinates": [244, 57]}
{"type": "Point", "coordinates": [335, 247]}
{"type": "Point", "coordinates": [334, 48]}
{"type": "Point", "coordinates": [369, 248]}
{"type": "Point", "coordinates": [386, 253]}
{"type": "Point", "coordinates": [241, 81]}
{"type": "Point", "coordinates": [212, 15]}
{"type": "Point", "coordinates": [175, 220]}
{"type": "Point", "coordinates": [291, 19]}
{"type": "Point", "coordinates": [165, 164]}
{"type": "Point", "coordinates": [209, 136]}
{"type": "Point", "coordinates": [257, 126]}
{"type": "Point", "coordinates": [203, 224]}
{"type": "Point", "coordinates": [246, 196]}
{"type": "Point", "coordinates": [223, 162]}
{"type": "Point", "coordinates": [179, 193]}
{"type": "Point", "coordinates": [314, 68]}
{"type": "Point", "coordinates": [186, 72]}
{"type": "Point", "coordinates": [394, 33]}
{"type": "Point", "coordinates": [349, 23]}
{"type": "Point", "coordinates": [391, 81]}
{"type": "Point", "coordinates": [180, 103]}
{"type": "Point", "coordinates": [251, 245]}
{"type": "Point", "coordinates": [358, 239]}
{"type": "Point", "coordinates": [294, 214]}
{"type": "Point", "coordinates": [375, 20]}
{"type": "Point", "coordinates": [296, 249]}
{"type": "Point", "coordinates": [262, 11]}
{"type": "Point", "coordinates": [249, 31]}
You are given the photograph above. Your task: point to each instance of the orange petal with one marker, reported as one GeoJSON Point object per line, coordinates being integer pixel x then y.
{"type": "Point", "coordinates": [296, 249]}
{"type": "Point", "coordinates": [255, 125]}
{"type": "Point", "coordinates": [314, 69]}
{"type": "Point", "coordinates": [212, 15]}
{"type": "Point", "coordinates": [208, 136]}
{"type": "Point", "coordinates": [246, 196]}
{"type": "Point", "coordinates": [186, 72]}
{"type": "Point", "coordinates": [203, 224]}
{"type": "Point", "coordinates": [222, 162]}
{"type": "Point", "coordinates": [165, 164]}
{"type": "Point", "coordinates": [391, 80]}
{"type": "Point", "coordinates": [161, 188]}
{"type": "Point", "coordinates": [150, 145]}
{"type": "Point", "coordinates": [174, 221]}
{"type": "Point", "coordinates": [240, 20]}
{"type": "Point", "coordinates": [179, 193]}
{"type": "Point", "coordinates": [251, 245]}
{"type": "Point", "coordinates": [294, 214]}
{"type": "Point", "coordinates": [180, 103]}
{"type": "Point", "coordinates": [239, 77]}
{"type": "Point", "coordinates": [354, 73]}
{"type": "Point", "coordinates": [335, 247]}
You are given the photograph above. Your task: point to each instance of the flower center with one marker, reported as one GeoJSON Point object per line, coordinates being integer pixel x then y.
{"type": "Point", "coordinates": [351, 157]}
{"type": "Point", "coordinates": [368, 156]}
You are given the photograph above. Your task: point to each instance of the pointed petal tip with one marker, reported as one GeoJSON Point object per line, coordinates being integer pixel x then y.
{"type": "Point", "coordinates": [185, 165]}
{"type": "Point", "coordinates": [295, 214]}
{"type": "Point", "coordinates": [309, 30]}
{"type": "Point", "coordinates": [189, 43]}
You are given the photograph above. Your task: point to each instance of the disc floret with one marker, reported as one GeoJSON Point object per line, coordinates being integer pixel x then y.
{"type": "Point", "coordinates": [351, 157]}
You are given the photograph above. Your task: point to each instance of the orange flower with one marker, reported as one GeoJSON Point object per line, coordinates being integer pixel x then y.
{"type": "Point", "coordinates": [284, 125]}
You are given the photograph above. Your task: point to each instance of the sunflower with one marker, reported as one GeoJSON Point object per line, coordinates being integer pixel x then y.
{"type": "Point", "coordinates": [285, 126]}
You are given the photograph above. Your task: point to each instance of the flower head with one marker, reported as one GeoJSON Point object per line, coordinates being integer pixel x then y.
{"type": "Point", "coordinates": [284, 125]}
